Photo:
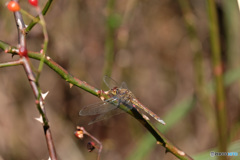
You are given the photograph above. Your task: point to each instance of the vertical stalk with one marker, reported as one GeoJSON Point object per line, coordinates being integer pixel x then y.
{"type": "Point", "coordinates": [109, 43]}
{"type": "Point", "coordinates": [218, 71]}
{"type": "Point", "coordinates": [231, 25]}
{"type": "Point", "coordinates": [34, 84]}
{"type": "Point", "coordinates": [196, 48]}
{"type": "Point", "coordinates": [35, 21]}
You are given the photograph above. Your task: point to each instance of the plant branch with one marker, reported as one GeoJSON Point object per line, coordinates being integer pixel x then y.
{"type": "Point", "coordinates": [35, 86]}
{"type": "Point", "coordinates": [218, 73]}
{"type": "Point", "coordinates": [81, 131]}
{"type": "Point", "coordinates": [161, 139]}
{"type": "Point", "coordinates": [14, 63]}
{"type": "Point", "coordinates": [45, 34]}
{"type": "Point", "coordinates": [99, 93]}
{"type": "Point", "coordinates": [198, 59]}
{"type": "Point", "coordinates": [45, 43]}
{"type": "Point", "coordinates": [109, 42]}
{"type": "Point", "coordinates": [35, 21]}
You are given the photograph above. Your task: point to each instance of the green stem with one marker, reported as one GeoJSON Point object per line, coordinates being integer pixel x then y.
{"type": "Point", "coordinates": [34, 19]}
{"type": "Point", "coordinates": [44, 11]}
{"type": "Point", "coordinates": [218, 71]}
{"type": "Point", "coordinates": [45, 44]}
{"type": "Point", "coordinates": [71, 79]}
{"type": "Point", "coordinates": [196, 47]}
{"type": "Point", "coordinates": [109, 43]}
{"type": "Point", "coordinates": [64, 74]}
{"type": "Point", "coordinates": [9, 64]}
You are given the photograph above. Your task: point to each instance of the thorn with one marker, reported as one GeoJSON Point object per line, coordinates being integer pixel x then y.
{"type": "Point", "coordinates": [44, 95]}
{"type": "Point", "coordinates": [145, 117]}
{"type": "Point", "coordinates": [102, 98]}
{"type": "Point", "coordinates": [39, 119]}
{"type": "Point", "coordinates": [48, 58]}
{"type": "Point", "coordinates": [158, 142]}
{"type": "Point", "coordinates": [181, 153]}
{"type": "Point", "coordinates": [70, 85]}
{"type": "Point", "coordinates": [167, 151]}
{"type": "Point", "coordinates": [161, 121]}
{"type": "Point", "coordinates": [41, 105]}
{"type": "Point", "coordinates": [49, 158]}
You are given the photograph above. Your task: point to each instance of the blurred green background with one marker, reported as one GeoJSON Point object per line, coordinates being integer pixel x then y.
{"type": "Point", "coordinates": [161, 49]}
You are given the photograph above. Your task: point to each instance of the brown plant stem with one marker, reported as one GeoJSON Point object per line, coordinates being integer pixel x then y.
{"type": "Point", "coordinates": [14, 63]}
{"type": "Point", "coordinates": [218, 73]}
{"type": "Point", "coordinates": [34, 85]}
{"type": "Point", "coordinates": [198, 60]}
{"type": "Point", "coordinates": [99, 93]}
{"type": "Point", "coordinates": [82, 129]}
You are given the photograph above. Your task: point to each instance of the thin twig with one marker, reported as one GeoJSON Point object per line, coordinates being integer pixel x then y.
{"type": "Point", "coordinates": [35, 21]}
{"type": "Point", "coordinates": [109, 42]}
{"type": "Point", "coordinates": [14, 63]}
{"type": "Point", "coordinates": [197, 50]}
{"type": "Point", "coordinates": [94, 91]}
{"type": "Point", "coordinates": [81, 131]}
{"type": "Point", "coordinates": [35, 86]}
{"type": "Point", "coordinates": [45, 34]}
{"type": "Point", "coordinates": [45, 43]}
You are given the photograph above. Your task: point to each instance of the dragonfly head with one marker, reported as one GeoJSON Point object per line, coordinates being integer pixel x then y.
{"type": "Point", "coordinates": [114, 91]}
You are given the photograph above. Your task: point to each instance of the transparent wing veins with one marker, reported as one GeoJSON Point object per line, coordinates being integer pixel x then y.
{"type": "Point", "coordinates": [106, 115]}
{"type": "Point", "coordinates": [98, 108]}
{"type": "Point", "coordinates": [110, 83]}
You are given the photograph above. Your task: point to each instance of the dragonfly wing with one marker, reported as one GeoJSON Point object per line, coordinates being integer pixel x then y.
{"type": "Point", "coordinates": [124, 85]}
{"type": "Point", "coordinates": [97, 108]}
{"type": "Point", "coordinates": [110, 83]}
{"type": "Point", "coordinates": [106, 115]}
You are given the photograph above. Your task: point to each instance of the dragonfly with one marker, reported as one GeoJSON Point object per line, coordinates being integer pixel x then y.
{"type": "Point", "coordinates": [118, 95]}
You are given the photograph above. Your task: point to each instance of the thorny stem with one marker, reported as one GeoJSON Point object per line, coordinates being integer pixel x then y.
{"type": "Point", "coordinates": [71, 79]}
{"type": "Point", "coordinates": [35, 86]}
{"type": "Point", "coordinates": [158, 135]}
{"type": "Point", "coordinates": [14, 63]}
{"type": "Point", "coordinates": [45, 44]}
{"type": "Point", "coordinates": [94, 91]}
